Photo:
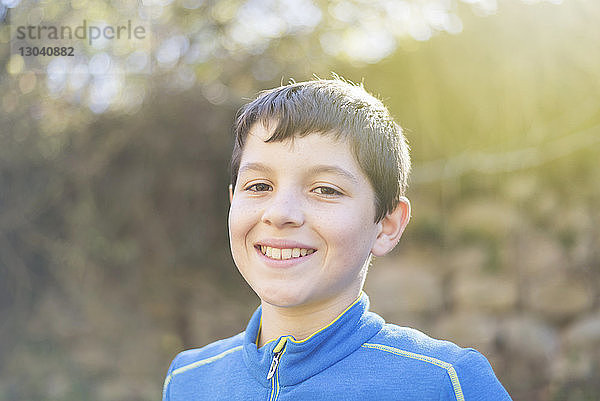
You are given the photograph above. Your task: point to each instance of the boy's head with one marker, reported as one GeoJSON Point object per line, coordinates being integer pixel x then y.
{"type": "Point", "coordinates": [344, 111]}
{"type": "Point", "coordinates": [318, 173]}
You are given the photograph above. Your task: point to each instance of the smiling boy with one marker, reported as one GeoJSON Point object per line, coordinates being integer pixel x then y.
{"type": "Point", "coordinates": [319, 172]}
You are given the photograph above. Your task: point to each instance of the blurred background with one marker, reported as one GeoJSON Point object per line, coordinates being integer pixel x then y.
{"type": "Point", "coordinates": [114, 253]}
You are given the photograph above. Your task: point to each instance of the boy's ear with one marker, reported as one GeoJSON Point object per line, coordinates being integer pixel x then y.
{"type": "Point", "coordinates": [230, 193]}
{"type": "Point", "coordinates": [391, 228]}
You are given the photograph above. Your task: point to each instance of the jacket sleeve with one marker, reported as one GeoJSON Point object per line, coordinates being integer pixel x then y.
{"type": "Point", "coordinates": [167, 384]}
{"type": "Point", "coordinates": [476, 380]}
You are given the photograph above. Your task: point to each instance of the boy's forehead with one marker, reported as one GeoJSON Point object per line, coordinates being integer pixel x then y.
{"type": "Point", "coordinates": [263, 130]}
{"type": "Point", "coordinates": [319, 151]}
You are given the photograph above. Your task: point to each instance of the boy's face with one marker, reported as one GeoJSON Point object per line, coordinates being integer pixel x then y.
{"type": "Point", "coordinates": [311, 209]}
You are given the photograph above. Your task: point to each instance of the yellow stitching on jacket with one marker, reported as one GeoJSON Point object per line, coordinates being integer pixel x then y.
{"type": "Point", "coordinates": [198, 364]}
{"type": "Point", "coordinates": [445, 365]}
{"type": "Point", "coordinates": [332, 322]}
{"type": "Point", "coordinates": [292, 339]}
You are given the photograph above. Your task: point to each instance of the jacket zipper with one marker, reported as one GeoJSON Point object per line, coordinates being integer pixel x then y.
{"type": "Point", "coordinates": [277, 352]}
{"type": "Point", "coordinates": [274, 364]}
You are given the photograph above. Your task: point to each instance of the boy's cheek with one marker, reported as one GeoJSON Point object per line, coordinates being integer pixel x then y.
{"type": "Point", "coordinates": [241, 221]}
{"type": "Point", "coordinates": [234, 223]}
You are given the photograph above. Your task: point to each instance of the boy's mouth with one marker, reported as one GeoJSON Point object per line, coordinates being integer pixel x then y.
{"type": "Point", "coordinates": [284, 253]}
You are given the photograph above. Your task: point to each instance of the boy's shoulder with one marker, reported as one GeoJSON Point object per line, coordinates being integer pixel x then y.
{"type": "Point", "coordinates": [416, 344]}
{"type": "Point", "coordinates": [466, 370]}
{"type": "Point", "coordinates": [209, 353]}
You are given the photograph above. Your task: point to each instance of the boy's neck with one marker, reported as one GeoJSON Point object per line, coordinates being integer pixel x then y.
{"type": "Point", "coordinates": [299, 322]}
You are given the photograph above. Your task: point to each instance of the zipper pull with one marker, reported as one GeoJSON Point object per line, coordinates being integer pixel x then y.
{"type": "Point", "coordinates": [273, 367]}
{"type": "Point", "coordinates": [277, 351]}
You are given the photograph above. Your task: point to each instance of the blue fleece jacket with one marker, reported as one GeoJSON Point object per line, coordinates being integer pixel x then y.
{"type": "Point", "coordinates": [356, 357]}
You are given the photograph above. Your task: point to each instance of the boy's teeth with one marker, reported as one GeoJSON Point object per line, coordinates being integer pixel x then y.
{"type": "Point", "coordinates": [284, 253]}
{"type": "Point", "coordinates": [276, 253]}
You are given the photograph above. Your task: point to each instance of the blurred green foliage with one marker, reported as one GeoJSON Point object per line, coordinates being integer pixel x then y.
{"type": "Point", "coordinates": [113, 186]}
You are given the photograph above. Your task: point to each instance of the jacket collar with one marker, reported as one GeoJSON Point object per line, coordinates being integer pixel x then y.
{"type": "Point", "coordinates": [302, 359]}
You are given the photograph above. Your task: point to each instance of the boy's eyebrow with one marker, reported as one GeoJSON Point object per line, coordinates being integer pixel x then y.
{"type": "Point", "coordinates": [325, 168]}
{"type": "Point", "coordinates": [254, 167]}
{"type": "Point", "coordinates": [320, 168]}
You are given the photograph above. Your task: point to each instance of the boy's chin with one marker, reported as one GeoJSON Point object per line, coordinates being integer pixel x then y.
{"type": "Point", "coordinates": [281, 300]}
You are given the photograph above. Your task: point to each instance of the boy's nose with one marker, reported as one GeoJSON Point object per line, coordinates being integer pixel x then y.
{"type": "Point", "coordinates": [285, 208]}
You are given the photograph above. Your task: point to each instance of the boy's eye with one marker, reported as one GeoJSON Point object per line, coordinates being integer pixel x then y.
{"type": "Point", "coordinates": [327, 191]}
{"type": "Point", "coordinates": [259, 187]}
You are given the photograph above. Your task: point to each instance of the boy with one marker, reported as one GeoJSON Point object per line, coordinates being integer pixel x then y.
{"type": "Point", "coordinates": [319, 172]}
